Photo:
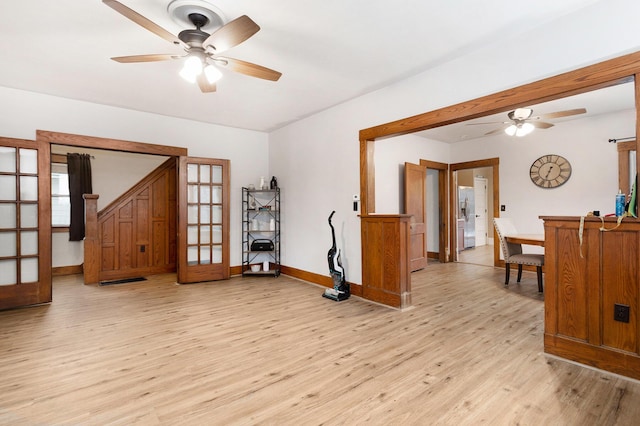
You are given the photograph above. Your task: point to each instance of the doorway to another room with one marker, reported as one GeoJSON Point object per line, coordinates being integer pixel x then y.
{"type": "Point", "coordinates": [474, 189]}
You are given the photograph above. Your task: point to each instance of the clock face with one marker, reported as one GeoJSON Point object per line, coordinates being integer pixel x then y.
{"type": "Point", "coordinates": [550, 171]}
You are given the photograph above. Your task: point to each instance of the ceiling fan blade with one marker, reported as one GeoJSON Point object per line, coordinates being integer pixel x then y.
{"type": "Point", "coordinates": [232, 34]}
{"type": "Point", "coordinates": [541, 124]}
{"type": "Point", "coordinates": [248, 68]}
{"type": "Point", "coordinates": [204, 84]}
{"type": "Point", "coordinates": [144, 58]}
{"type": "Point", "coordinates": [566, 113]}
{"type": "Point", "coordinates": [498, 130]}
{"type": "Point", "coordinates": [486, 122]}
{"type": "Point", "coordinates": [142, 21]}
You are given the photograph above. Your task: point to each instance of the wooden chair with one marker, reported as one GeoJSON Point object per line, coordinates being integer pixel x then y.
{"type": "Point", "coordinates": [513, 252]}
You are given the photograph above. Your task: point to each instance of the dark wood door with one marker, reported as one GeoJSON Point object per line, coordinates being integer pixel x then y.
{"type": "Point", "coordinates": [25, 223]}
{"type": "Point", "coordinates": [203, 220]}
{"type": "Point", "coordinates": [415, 205]}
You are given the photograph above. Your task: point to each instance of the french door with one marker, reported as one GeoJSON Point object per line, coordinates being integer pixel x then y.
{"type": "Point", "coordinates": [203, 220]}
{"type": "Point", "coordinates": [25, 223]}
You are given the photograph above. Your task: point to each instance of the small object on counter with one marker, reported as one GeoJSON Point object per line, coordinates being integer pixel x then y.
{"type": "Point", "coordinates": [620, 202]}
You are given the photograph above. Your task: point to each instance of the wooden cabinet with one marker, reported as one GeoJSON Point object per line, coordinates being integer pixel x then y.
{"type": "Point", "coordinates": [386, 276]}
{"type": "Point", "coordinates": [586, 278]}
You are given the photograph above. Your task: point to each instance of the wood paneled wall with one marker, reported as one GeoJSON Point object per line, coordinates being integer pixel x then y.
{"type": "Point", "coordinates": [584, 282]}
{"type": "Point", "coordinates": [137, 232]}
{"type": "Point", "coordinates": [385, 260]}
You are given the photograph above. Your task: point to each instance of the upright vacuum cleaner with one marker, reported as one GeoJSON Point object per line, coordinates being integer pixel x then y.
{"type": "Point", "coordinates": [340, 290]}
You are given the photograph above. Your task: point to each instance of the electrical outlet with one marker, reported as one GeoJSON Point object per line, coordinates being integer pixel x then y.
{"type": "Point", "coordinates": [503, 208]}
{"type": "Point", "coordinates": [621, 312]}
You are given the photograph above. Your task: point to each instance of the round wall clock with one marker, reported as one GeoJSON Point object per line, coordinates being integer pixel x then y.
{"type": "Point", "coordinates": [550, 171]}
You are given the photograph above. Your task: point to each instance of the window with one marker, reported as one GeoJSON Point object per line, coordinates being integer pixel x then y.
{"type": "Point", "coordinates": [60, 204]}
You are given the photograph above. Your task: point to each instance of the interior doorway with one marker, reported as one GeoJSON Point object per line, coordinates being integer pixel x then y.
{"type": "Point", "coordinates": [474, 204]}
{"type": "Point", "coordinates": [436, 207]}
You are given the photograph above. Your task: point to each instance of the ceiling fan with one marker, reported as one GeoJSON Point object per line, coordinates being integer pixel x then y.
{"type": "Point", "coordinates": [201, 48]}
{"type": "Point", "coordinates": [522, 121]}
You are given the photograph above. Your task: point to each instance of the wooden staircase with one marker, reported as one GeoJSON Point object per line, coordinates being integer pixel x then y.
{"type": "Point", "coordinates": [136, 234]}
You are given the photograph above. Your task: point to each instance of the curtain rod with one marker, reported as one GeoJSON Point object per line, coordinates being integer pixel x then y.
{"type": "Point", "coordinates": [621, 139]}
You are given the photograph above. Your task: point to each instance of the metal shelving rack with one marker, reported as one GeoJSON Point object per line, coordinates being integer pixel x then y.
{"type": "Point", "coordinates": [260, 221]}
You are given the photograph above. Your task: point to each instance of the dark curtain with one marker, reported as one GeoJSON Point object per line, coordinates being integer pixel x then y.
{"type": "Point", "coordinates": [79, 170]}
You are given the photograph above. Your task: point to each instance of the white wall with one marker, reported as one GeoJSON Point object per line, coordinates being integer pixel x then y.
{"type": "Point", "coordinates": [390, 156]}
{"type": "Point", "coordinates": [25, 112]}
{"type": "Point", "coordinates": [317, 159]}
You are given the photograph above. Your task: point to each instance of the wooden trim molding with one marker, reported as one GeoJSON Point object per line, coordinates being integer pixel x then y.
{"type": "Point", "coordinates": [311, 277]}
{"type": "Point", "coordinates": [623, 164]}
{"type": "Point", "coordinates": [59, 158]}
{"type": "Point", "coordinates": [66, 270]}
{"type": "Point", "coordinates": [111, 144]}
{"type": "Point", "coordinates": [443, 184]}
{"type": "Point", "coordinates": [603, 74]}
{"type": "Point", "coordinates": [323, 280]}
{"type": "Point", "coordinates": [367, 178]}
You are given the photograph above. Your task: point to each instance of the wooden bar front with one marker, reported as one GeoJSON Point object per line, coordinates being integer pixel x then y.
{"type": "Point", "coordinates": [385, 259]}
{"type": "Point", "coordinates": [584, 282]}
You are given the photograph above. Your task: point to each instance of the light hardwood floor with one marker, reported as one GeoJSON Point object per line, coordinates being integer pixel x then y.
{"type": "Point", "coordinates": [273, 351]}
{"type": "Point", "coordinates": [481, 255]}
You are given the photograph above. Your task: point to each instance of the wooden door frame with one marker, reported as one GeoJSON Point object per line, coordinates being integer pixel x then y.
{"type": "Point", "coordinates": [603, 74]}
{"type": "Point", "coordinates": [477, 179]}
{"type": "Point", "coordinates": [494, 164]}
{"type": "Point", "coordinates": [443, 220]}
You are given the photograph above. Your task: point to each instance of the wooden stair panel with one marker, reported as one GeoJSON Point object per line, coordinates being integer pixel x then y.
{"type": "Point", "coordinates": [137, 232]}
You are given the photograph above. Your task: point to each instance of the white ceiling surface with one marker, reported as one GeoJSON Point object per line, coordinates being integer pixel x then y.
{"type": "Point", "coordinates": [329, 51]}
{"type": "Point", "coordinates": [602, 101]}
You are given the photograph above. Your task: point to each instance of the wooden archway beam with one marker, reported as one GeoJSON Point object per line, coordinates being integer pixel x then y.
{"type": "Point", "coordinates": [603, 74]}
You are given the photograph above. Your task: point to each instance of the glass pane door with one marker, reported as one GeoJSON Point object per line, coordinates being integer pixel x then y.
{"type": "Point", "coordinates": [204, 245]}
{"type": "Point", "coordinates": [25, 277]}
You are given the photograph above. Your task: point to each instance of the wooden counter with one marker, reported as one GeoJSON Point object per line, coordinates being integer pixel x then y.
{"type": "Point", "coordinates": [583, 284]}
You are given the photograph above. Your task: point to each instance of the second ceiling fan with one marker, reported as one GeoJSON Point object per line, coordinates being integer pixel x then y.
{"type": "Point", "coordinates": [522, 122]}
{"type": "Point", "coordinates": [201, 48]}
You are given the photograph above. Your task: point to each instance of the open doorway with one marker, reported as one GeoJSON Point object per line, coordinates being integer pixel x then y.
{"type": "Point", "coordinates": [436, 202]}
{"type": "Point", "coordinates": [474, 201]}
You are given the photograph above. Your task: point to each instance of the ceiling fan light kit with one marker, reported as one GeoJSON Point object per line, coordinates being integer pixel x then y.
{"type": "Point", "coordinates": [202, 48]}
{"type": "Point", "coordinates": [519, 129]}
{"type": "Point", "coordinates": [523, 123]}
{"type": "Point", "coordinates": [191, 69]}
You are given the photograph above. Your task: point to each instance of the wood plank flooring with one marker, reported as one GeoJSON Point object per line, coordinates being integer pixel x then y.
{"type": "Point", "coordinates": [273, 351]}
{"type": "Point", "coordinates": [480, 255]}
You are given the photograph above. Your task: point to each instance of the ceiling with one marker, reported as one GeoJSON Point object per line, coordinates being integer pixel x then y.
{"type": "Point", "coordinates": [329, 51]}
